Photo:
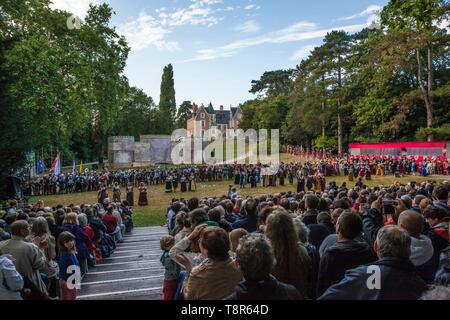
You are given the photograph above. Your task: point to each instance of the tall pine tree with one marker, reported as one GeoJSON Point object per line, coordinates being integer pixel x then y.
{"type": "Point", "coordinates": [167, 103]}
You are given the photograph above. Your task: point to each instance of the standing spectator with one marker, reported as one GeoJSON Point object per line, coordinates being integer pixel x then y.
{"type": "Point", "coordinates": [398, 277]}
{"type": "Point", "coordinates": [255, 259]}
{"type": "Point", "coordinates": [11, 282]}
{"type": "Point", "coordinates": [171, 268]}
{"type": "Point", "coordinates": [68, 264]}
{"type": "Point", "coordinates": [345, 254]}
{"type": "Point", "coordinates": [81, 240]}
{"type": "Point", "coordinates": [29, 259]}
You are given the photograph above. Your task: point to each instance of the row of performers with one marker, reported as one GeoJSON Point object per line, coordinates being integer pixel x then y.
{"type": "Point", "coordinates": [187, 183]}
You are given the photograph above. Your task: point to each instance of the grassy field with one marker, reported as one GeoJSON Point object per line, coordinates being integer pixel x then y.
{"type": "Point", "coordinates": [154, 213]}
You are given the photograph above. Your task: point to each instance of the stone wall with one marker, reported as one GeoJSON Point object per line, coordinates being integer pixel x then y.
{"type": "Point", "coordinates": [151, 149]}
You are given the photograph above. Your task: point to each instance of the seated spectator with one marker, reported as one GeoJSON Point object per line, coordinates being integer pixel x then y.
{"type": "Point", "coordinates": [216, 277]}
{"type": "Point", "coordinates": [4, 235]}
{"type": "Point", "coordinates": [398, 279]}
{"type": "Point", "coordinates": [293, 265]}
{"type": "Point", "coordinates": [11, 282]}
{"type": "Point", "coordinates": [438, 231]}
{"type": "Point", "coordinates": [29, 259]}
{"type": "Point", "coordinates": [443, 271]}
{"type": "Point", "coordinates": [324, 218]}
{"type": "Point", "coordinates": [249, 220]}
{"type": "Point", "coordinates": [303, 234]}
{"type": "Point", "coordinates": [310, 215]}
{"type": "Point", "coordinates": [437, 293]}
{"type": "Point", "coordinates": [89, 232]}
{"type": "Point", "coordinates": [416, 203]}
{"type": "Point", "coordinates": [182, 220]}
{"type": "Point", "coordinates": [421, 246]}
{"type": "Point", "coordinates": [217, 214]}
{"type": "Point", "coordinates": [440, 199]}
{"type": "Point", "coordinates": [234, 236]}
{"type": "Point", "coordinates": [345, 254]}
{"type": "Point", "coordinates": [255, 259]}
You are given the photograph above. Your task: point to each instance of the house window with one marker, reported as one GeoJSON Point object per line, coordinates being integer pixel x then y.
{"type": "Point", "coordinates": [202, 115]}
{"type": "Point", "coordinates": [203, 123]}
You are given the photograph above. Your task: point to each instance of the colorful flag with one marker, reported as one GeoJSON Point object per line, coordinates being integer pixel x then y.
{"type": "Point", "coordinates": [40, 166]}
{"type": "Point", "coordinates": [56, 165]}
{"type": "Point", "coordinates": [81, 167]}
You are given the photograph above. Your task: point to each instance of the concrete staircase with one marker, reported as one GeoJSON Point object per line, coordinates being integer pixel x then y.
{"type": "Point", "coordinates": [132, 272]}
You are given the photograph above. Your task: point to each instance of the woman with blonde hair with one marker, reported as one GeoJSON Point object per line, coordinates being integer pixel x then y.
{"type": "Point", "coordinates": [237, 206]}
{"type": "Point", "coordinates": [40, 235]}
{"type": "Point", "coordinates": [293, 265]}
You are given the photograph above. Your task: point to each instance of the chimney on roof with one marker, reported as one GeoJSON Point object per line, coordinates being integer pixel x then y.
{"type": "Point", "coordinates": [221, 108]}
{"type": "Point", "coordinates": [194, 108]}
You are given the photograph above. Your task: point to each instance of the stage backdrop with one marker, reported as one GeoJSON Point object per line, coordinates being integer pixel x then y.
{"type": "Point", "coordinates": [151, 149]}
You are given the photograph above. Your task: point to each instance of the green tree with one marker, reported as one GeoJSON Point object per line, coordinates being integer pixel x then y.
{"type": "Point", "coordinates": [415, 19]}
{"type": "Point", "coordinates": [273, 83]}
{"type": "Point", "coordinates": [167, 104]}
{"type": "Point", "coordinates": [184, 113]}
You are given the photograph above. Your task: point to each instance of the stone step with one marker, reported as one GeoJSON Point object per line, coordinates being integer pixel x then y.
{"type": "Point", "coordinates": [123, 273]}
{"type": "Point", "coordinates": [127, 286]}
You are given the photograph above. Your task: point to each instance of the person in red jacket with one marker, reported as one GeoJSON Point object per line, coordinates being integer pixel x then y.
{"type": "Point", "coordinates": [110, 220]}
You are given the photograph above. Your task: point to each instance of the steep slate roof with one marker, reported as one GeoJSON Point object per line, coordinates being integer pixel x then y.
{"type": "Point", "coordinates": [223, 117]}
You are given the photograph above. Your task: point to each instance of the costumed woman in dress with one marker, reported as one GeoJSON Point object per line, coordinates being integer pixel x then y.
{"type": "Point", "coordinates": [116, 192]}
{"type": "Point", "coordinates": [169, 184]}
{"type": "Point", "coordinates": [102, 194]}
{"type": "Point", "coordinates": [143, 195]}
{"type": "Point", "coordinates": [183, 184]}
{"type": "Point", "coordinates": [130, 194]}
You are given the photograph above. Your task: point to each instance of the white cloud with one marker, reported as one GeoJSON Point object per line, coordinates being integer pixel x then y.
{"type": "Point", "coordinates": [199, 12]}
{"type": "Point", "coordinates": [225, 9]}
{"type": "Point", "coordinates": [303, 30]}
{"type": "Point", "coordinates": [250, 26]}
{"type": "Point", "coordinates": [252, 6]}
{"type": "Point", "coordinates": [145, 31]}
{"type": "Point", "coordinates": [370, 10]}
{"type": "Point", "coordinates": [77, 7]}
{"type": "Point", "coordinates": [302, 53]}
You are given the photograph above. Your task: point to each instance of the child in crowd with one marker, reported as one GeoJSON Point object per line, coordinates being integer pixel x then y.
{"type": "Point", "coordinates": [68, 265]}
{"type": "Point", "coordinates": [172, 269]}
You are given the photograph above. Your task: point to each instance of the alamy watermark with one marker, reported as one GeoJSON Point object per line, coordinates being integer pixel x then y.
{"type": "Point", "coordinates": [373, 282]}
{"type": "Point", "coordinates": [233, 146]}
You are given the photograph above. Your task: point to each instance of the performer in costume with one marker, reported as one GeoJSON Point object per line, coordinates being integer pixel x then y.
{"type": "Point", "coordinates": [143, 195]}
{"type": "Point", "coordinates": [130, 194]}
{"type": "Point", "coordinates": [116, 192]}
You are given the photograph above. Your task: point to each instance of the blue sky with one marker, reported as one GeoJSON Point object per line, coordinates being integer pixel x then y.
{"type": "Point", "coordinates": [218, 46]}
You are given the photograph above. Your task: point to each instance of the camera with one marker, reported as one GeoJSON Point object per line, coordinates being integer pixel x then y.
{"type": "Point", "coordinates": [388, 206]}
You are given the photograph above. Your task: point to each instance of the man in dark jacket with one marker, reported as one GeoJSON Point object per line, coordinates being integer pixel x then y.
{"type": "Point", "coordinates": [440, 199]}
{"type": "Point", "coordinates": [345, 254]}
{"type": "Point", "coordinates": [249, 221]}
{"type": "Point", "coordinates": [255, 259]}
{"type": "Point", "coordinates": [310, 215]}
{"type": "Point", "coordinates": [392, 277]}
